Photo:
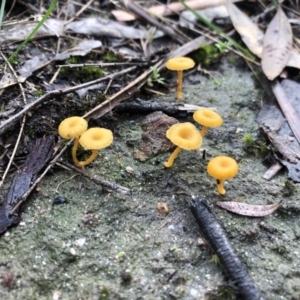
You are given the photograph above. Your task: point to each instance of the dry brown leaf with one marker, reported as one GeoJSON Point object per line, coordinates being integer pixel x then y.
{"type": "Point", "coordinates": [249, 210]}
{"type": "Point", "coordinates": [277, 45]}
{"type": "Point", "coordinates": [250, 33]}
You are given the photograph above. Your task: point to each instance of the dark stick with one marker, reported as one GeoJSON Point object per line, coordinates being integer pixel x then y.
{"type": "Point", "coordinates": [149, 106]}
{"type": "Point", "coordinates": [216, 237]}
{"type": "Point", "coordinates": [25, 176]}
{"type": "Point", "coordinates": [98, 180]}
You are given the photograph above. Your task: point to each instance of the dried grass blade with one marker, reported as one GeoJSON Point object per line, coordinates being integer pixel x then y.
{"type": "Point", "coordinates": [249, 210]}
{"type": "Point", "coordinates": [277, 45]}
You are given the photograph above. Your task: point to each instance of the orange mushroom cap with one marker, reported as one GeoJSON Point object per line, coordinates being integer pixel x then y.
{"type": "Point", "coordinates": [185, 136]}
{"type": "Point", "coordinates": [222, 167]}
{"type": "Point", "coordinates": [72, 127]}
{"type": "Point", "coordinates": [208, 118]}
{"type": "Point", "coordinates": [96, 138]}
{"type": "Point", "coordinates": [180, 63]}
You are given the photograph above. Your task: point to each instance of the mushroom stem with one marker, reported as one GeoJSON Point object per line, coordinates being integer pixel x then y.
{"type": "Point", "coordinates": [179, 85]}
{"type": "Point", "coordinates": [220, 184]}
{"type": "Point", "coordinates": [74, 150]}
{"type": "Point", "coordinates": [203, 131]}
{"type": "Point", "coordinates": [172, 157]}
{"type": "Point", "coordinates": [80, 164]}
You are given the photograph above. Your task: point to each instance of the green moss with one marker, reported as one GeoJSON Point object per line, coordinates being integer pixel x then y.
{"type": "Point", "coordinates": [39, 92]}
{"type": "Point", "coordinates": [104, 293]}
{"type": "Point", "coordinates": [217, 81]}
{"type": "Point", "coordinates": [215, 259]}
{"type": "Point", "coordinates": [31, 132]}
{"type": "Point", "coordinates": [243, 116]}
{"type": "Point", "coordinates": [288, 189]}
{"type": "Point", "coordinates": [226, 293]}
{"type": "Point", "coordinates": [206, 55]}
{"type": "Point", "coordinates": [91, 72]}
{"type": "Point", "coordinates": [248, 140]}
{"type": "Point", "coordinates": [232, 60]}
{"type": "Point", "coordinates": [73, 60]}
{"type": "Point", "coordinates": [111, 57]}
{"type": "Point", "coordinates": [262, 149]}
{"type": "Point", "coordinates": [85, 73]}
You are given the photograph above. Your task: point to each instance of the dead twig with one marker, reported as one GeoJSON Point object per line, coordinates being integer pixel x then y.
{"type": "Point", "coordinates": [135, 85]}
{"type": "Point", "coordinates": [139, 11]}
{"type": "Point", "coordinates": [64, 181]}
{"type": "Point", "coordinates": [145, 106]}
{"type": "Point", "coordinates": [12, 120]}
{"type": "Point", "coordinates": [139, 63]}
{"type": "Point", "coordinates": [22, 123]}
{"type": "Point", "coordinates": [287, 109]}
{"type": "Point", "coordinates": [98, 180]}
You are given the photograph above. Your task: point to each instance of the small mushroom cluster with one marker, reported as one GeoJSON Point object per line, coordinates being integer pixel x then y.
{"type": "Point", "coordinates": [186, 136]}
{"type": "Point", "coordinates": [90, 139]}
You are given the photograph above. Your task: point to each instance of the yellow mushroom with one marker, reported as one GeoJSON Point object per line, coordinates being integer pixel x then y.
{"type": "Point", "coordinates": [70, 128]}
{"type": "Point", "coordinates": [207, 118]}
{"type": "Point", "coordinates": [179, 64]}
{"type": "Point", "coordinates": [222, 168]}
{"type": "Point", "coordinates": [94, 139]}
{"type": "Point", "coordinates": [184, 136]}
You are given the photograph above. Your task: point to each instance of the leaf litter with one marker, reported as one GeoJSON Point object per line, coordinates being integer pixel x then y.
{"type": "Point", "coordinates": [277, 45]}
{"type": "Point", "coordinates": [116, 97]}
{"type": "Point", "coordinates": [253, 36]}
{"type": "Point", "coordinates": [249, 210]}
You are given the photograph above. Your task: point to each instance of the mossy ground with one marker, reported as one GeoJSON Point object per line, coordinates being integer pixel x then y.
{"type": "Point", "coordinates": [130, 250]}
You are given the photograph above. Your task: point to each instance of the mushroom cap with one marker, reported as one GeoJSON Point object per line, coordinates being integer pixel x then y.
{"type": "Point", "coordinates": [72, 127]}
{"type": "Point", "coordinates": [208, 118]}
{"type": "Point", "coordinates": [180, 63]}
{"type": "Point", "coordinates": [96, 138]}
{"type": "Point", "coordinates": [185, 136]}
{"type": "Point", "coordinates": [222, 167]}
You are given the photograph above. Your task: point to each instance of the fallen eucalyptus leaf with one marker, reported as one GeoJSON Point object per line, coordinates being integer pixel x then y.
{"type": "Point", "coordinates": [83, 48]}
{"type": "Point", "coordinates": [250, 33]}
{"type": "Point", "coordinates": [252, 36]}
{"type": "Point", "coordinates": [277, 45]}
{"type": "Point", "coordinates": [104, 27]}
{"type": "Point", "coordinates": [249, 210]}
{"type": "Point", "coordinates": [20, 31]}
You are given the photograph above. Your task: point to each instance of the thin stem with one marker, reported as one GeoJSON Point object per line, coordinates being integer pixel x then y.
{"type": "Point", "coordinates": [74, 151]}
{"type": "Point", "coordinates": [220, 184]}
{"type": "Point", "coordinates": [203, 131]}
{"type": "Point", "coordinates": [87, 161]}
{"type": "Point", "coordinates": [77, 162]}
{"type": "Point", "coordinates": [179, 86]}
{"type": "Point", "coordinates": [175, 153]}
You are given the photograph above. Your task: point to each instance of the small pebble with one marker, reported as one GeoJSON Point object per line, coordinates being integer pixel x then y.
{"type": "Point", "coordinates": [59, 200]}
{"type": "Point", "coordinates": [162, 208]}
{"type": "Point", "coordinates": [193, 293]}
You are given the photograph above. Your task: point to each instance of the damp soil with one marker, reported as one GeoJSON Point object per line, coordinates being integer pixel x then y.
{"type": "Point", "coordinates": [102, 245]}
